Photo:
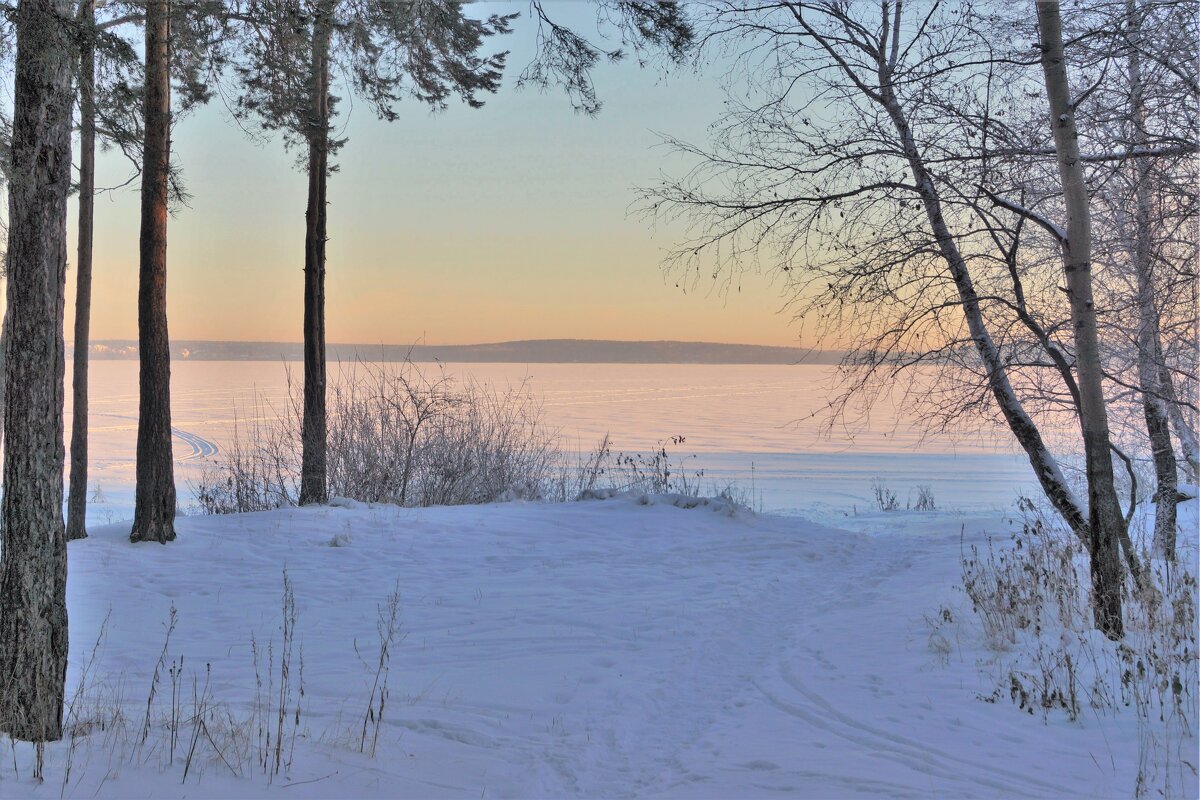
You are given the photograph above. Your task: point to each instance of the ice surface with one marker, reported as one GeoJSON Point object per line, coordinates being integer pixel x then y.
{"type": "Point", "coordinates": [762, 427]}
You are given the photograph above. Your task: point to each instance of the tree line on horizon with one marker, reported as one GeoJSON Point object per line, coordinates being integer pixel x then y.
{"type": "Point", "coordinates": [1005, 197]}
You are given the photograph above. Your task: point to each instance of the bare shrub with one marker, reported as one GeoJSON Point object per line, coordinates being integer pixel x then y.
{"type": "Point", "coordinates": [1031, 586]}
{"type": "Point", "coordinates": [581, 475]}
{"type": "Point", "coordinates": [658, 472]}
{"type": "Point", "coordinates": [401, 435]}
{"type": "Point", "coordinates": [1158, 665]}
{"type": "Point", "coordinates": [396, 434]}
{"type": "Point", "coordinates": [259, 468]}
{"type": "Point", "coordinates": [488, 445]}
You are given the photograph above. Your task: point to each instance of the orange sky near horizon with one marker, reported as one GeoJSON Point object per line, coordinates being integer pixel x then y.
{"type": "Point", "coordinates": [509, 222]}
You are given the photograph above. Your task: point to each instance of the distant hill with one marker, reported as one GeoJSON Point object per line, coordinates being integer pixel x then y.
{"type": "Point", "coordinates": [534, 351]}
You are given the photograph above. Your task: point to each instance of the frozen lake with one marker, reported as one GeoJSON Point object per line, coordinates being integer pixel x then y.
{"type": "Point", "coordinates": [763, 426]}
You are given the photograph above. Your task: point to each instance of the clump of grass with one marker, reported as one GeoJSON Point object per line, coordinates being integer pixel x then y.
{"type": "Point", "coordinates": [172, 621]}
{"type": "Point", "coordinates": [387, 627]}
{"type": "Point", "coordinates": [198, 730]}
{"type": "Point", "coordinates": [925, 500]}
{"type": "Point", "coordinates": [885, 498]}
{"type": "Point", "coordinates": [661, 471]}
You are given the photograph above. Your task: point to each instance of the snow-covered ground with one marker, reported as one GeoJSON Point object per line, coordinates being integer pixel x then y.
{"type": "Point", "coordinates": [601, 648]}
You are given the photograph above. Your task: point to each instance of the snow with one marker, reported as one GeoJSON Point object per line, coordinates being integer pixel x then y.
{"type": "Point", "coordinates": [614, 647]}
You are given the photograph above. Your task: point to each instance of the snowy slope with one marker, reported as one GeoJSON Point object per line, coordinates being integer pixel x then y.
{"type": "Point", "coordinates": [602, 648]}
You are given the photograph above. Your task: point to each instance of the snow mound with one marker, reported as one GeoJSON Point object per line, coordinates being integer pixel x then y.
{"type": "Point", "coordinates": [718, 504]}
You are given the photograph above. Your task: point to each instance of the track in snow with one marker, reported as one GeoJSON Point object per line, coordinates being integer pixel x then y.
{"type": "Point", "coordinates": [198, 447]}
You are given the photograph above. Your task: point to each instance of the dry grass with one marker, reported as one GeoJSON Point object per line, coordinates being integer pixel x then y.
{"type": "Point", "coordinates": [1032, 603]}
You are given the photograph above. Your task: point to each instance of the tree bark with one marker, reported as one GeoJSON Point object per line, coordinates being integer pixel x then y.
{"type": "Point", "coordinates": [1105, 519]}
{"type": "Point", "coordinates": [1183, 430]}
{"type": "Point", "coordinates": [1149, 337]}
{"type": "Point", "coordinates": [5, 333]}
{"type": "Point", "coordinates": [313, 466]}
{"type": "Point", "coordinates": [154, 509]}
{"type": "Point", "coordinates": [77, 498]}
{"type": "Point", "coordinates": [1158, 428]}
{"type": "Point", "coordinates": [33, 564]}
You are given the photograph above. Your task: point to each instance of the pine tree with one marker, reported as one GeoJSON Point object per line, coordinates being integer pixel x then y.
{"type": "Point", "coordinates": [154, 503]}
{"type": "Point", "coordinates": [77, 495]}
{"type": "Point", "coordinates": [183, 41]}
{"type": "Point", "coordinates": [427, 51]}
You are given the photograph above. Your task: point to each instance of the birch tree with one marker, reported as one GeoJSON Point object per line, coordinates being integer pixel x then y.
{"type": "Point", "coordinates": [1106, 522]}
{"type": "Point", "coordinates": [1139, 138]}
{"type": "Point", "coordinates": [1148, 210]}
{"type": "Point", "coordinates": [855, 160]}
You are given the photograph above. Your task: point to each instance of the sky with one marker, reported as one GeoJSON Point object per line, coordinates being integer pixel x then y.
{"type": "Point", "coordinates": [509, 222]}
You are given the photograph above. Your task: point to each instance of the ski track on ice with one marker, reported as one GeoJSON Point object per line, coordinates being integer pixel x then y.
{"type": "Point", "coordinates": [198, 446]}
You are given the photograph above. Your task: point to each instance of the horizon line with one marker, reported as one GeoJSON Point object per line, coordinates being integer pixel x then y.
{"type": "Point", "coordinates": [562, 339]}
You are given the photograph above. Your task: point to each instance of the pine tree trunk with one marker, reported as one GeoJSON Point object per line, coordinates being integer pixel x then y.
{"type": "Point", "coordinates": [5, 332]}
{"type": "Point", "coordinates": [77, 498]}
{"type": "Point", "coordinates": [1106, 522]}
{"type": "Point", "coordinates": [154, 509]}
{"type": "Point", "coordinates": [1149, 337]}
{"type": "Point", "coordinates": [33, 609]}
{"type": "Point", "coordinates": [313, 436]}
